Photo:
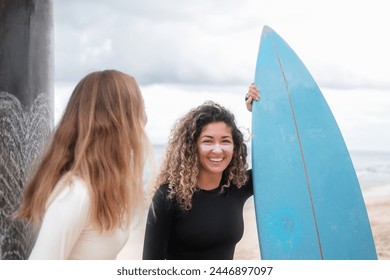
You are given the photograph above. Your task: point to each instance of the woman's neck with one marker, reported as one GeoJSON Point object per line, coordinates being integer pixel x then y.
{"type": "Point", "coordinates": [209, 181]}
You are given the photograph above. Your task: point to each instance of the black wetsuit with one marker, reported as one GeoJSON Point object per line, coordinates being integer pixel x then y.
{"type": "Point", "coordinates": [209, 230]}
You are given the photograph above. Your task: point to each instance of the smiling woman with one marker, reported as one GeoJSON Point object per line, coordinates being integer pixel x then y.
{"type": "Point", "coordinates": [215, 151]}
{"type": "Point", "coordinates": [202, 187]}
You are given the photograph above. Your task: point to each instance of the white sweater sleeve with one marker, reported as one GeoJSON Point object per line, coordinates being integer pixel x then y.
{"type": "Point", "coordinates": [62, 224]}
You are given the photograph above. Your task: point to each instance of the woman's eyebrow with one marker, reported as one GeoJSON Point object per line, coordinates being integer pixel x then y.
{"type": "Point", "coordinates": [212, 137]}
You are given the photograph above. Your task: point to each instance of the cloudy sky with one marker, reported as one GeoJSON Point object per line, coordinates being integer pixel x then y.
{"type": "Point", "coordinates": [185, 52]}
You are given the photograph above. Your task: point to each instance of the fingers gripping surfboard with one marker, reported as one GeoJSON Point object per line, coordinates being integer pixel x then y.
{"type": "Point", "coordinates": [308, 200]}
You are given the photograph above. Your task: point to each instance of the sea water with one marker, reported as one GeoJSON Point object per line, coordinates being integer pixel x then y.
{"type": "Point", "coordinates": [373, 172]}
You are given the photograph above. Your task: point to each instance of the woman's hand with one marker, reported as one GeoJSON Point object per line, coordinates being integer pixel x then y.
{"type": "Point", "coordinates": [253, 94]}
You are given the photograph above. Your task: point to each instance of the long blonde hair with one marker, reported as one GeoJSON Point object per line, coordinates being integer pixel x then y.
{"type": "Point", "coordinates": [101, 139]}
{"type": "Point", "coordinates": [180, 166]}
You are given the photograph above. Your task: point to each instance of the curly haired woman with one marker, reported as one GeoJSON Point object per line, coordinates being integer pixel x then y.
{"type": "Point", "coordinates": [202, 186]}
{"type": "Point", "coordinates": [88, 183]}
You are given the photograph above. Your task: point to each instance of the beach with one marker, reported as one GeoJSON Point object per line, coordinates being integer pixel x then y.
{"type": "Point", "coordinates": [373, 173]}
{"type": "Point", "coordinates": [378, 209]}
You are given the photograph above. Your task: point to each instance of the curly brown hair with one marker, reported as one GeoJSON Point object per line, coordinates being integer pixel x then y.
{"type": "Point", "coordinates": [180, 165]}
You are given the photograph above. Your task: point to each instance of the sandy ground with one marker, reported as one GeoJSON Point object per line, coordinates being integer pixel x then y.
{"type": "Point", "coordinates": [378, 208]}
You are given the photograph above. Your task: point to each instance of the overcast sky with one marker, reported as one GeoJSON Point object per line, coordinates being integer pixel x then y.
{"type": "Point", "coordinates": [191, 51]}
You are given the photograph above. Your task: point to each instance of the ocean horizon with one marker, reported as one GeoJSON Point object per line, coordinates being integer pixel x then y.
{"type": "Point", "coordinates": [372, 167]}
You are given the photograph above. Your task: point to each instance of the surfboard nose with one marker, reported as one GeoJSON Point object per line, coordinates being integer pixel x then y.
{"type": "Point", "coordinates": [267, 29]}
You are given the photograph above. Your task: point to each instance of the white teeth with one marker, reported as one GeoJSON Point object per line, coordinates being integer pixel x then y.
{"type": "Point", "coordinates": [216, 159]}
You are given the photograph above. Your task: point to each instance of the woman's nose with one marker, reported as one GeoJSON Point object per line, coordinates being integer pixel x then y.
{"type": "Point", "coordinates": [216, 148]}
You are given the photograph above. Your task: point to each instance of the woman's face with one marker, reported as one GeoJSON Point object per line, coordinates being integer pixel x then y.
{"type": "Point", "coordinates": [215, 147]}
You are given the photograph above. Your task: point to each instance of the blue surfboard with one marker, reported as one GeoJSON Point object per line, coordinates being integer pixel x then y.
{"type": "Point", "coordinates": [307, 196]}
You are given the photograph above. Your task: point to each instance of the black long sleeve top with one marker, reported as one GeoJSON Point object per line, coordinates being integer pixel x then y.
{"type": "Point", "coordinates": [209, 230]}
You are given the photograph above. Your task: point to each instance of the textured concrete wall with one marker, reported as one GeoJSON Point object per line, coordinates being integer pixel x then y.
{"type": "Point", "coordinates": [26, 109]}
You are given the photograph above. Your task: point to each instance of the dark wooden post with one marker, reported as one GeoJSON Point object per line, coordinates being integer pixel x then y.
{"type": "Point", "coordinates": [26, 109]}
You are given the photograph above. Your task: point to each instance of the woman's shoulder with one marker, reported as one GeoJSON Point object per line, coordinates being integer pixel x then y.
{"type": "Point", "coordinates": [162, 191]}
{"type": "Point", "coordinates": [75, 185]}
{"type": "Point", "coordinates": [162, 195]}
{"type": "Point", "coordinates": [78, 184]}
{"type": "Point", "coordinates": [71, 189]}
{"type": "Point", "coordinates": [246, 189]}
{"type": "Point", "coordinates": [162, 201]}
{"type": "Point", "coordinates": [248, 181]}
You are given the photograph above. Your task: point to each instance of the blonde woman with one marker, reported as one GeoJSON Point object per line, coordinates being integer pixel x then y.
{"type": "Point", "coordinates": [88, 183]}
{"type": "Point", "coordinates": [203, 183]}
